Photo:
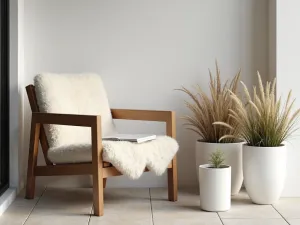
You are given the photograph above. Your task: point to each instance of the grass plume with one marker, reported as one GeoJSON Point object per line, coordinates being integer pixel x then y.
{"type": "Point", "coordinates": [216, 107]}
{"type": "Point", "coordinates": [263, 121]}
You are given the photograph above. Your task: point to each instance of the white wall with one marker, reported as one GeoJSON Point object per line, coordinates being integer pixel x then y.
{"type": "Point", "coordinates": [272, 39]}
{"type": "Point", "coordinates": [144, 50]}
{"type": "Point", "coordinates": [287, 53]}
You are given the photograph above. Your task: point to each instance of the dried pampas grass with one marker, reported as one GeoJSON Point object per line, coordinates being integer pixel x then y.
{"type": "Point", "coordinates": [216, 107]}
{"type": "Point", "coordinates": [262, 121]}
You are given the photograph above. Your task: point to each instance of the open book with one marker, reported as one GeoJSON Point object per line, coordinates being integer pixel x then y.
{"type": "Point", "coordinates": [138, 138]}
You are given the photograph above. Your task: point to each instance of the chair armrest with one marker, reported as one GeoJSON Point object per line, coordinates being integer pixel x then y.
{"type": "Point", "coordinates": [146, 115]}
{"type": "Point", "coordinates": [94, 122]}
{"type": "Point", "coordinates": [65, 119]}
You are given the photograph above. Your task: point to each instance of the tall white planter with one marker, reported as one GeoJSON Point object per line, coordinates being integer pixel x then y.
{"type": "Point", "coordinates": [215, 188]}
{"type": "Point", "coordinates": [264, 171]}
{"type": "Point", "coordinates": [233, 158]}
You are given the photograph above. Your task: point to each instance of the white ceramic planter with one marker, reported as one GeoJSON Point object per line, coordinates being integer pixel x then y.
{"type": "Point", "coordinates": [215, 188]}
{"type": "Point", "coordinates": [233, 158]}
{"type": "Point", "coordinates": [264, 171]}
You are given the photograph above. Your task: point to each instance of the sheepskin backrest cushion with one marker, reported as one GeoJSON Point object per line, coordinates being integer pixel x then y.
{"type": "Point", "coordinates": [82, 94]}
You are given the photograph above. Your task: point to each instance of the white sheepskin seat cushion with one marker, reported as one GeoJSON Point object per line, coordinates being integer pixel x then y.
{"type": "Point", "coordinates": [129, 158]}
{"type": "Point", "coordinates": [84, 94]}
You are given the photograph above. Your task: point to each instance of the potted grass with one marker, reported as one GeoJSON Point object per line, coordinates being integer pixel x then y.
{"type": "Point", "coordinates": [215, 184]}
{"type": "Point", "coordinates": [265, 124]}
{"type": "Point", "coordinates": [208, 109]}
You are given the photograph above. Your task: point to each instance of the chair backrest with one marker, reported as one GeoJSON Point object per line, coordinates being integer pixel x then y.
{"type": "Point", "coordinates": [30, 89]}
{"type": "Point", "coordinates": [82, 94]}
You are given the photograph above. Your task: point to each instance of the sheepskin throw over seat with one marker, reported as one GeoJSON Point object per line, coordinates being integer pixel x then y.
{"type": "Point", "coordinates": [84, 94]}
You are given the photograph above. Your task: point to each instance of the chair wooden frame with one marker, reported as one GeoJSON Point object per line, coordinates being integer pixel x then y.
{"type": "Point", "coordinates": [97, 168]}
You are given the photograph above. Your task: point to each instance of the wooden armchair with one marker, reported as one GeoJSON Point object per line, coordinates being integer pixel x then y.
{"type": "Point", "coordinates": [99, 169]}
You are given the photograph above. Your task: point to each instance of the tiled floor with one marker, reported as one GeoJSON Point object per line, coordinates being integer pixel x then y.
{"type": "Point", "coordinates": [143, 206]}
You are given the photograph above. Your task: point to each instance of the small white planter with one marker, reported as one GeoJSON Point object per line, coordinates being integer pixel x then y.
{"type": "Point", "coordinates": [264, 171]}
{"type": "Point", "coordinates": [233, 157]}
{"type": "Point", "coordinates": [215, 188]}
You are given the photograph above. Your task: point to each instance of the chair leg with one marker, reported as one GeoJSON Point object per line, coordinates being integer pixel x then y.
{"type": "Point", "coordinates": [98, 195]}
{"type": "Point", "coordinates": [172, 181]}
{"type": "Point", "coordinates": [97, 165]}
{"type": "Point", "coordinates": [104, 182]}
{"type": "Point", "coordinates": [32, 159]}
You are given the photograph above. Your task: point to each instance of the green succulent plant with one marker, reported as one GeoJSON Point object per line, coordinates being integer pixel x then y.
{"type": "Point", "coordinates": [217, 159]}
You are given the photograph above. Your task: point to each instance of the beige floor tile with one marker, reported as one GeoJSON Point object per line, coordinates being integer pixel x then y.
{"type": "Point", "coordinates": [294, 221]}
{"type": "Point", "coordinates": [188, 221]}
{"type": "Point", "coordinates": [21, 201]}
{"type": "Point", "coordinates": [62, 206]}
{"type": "Point", "coordinates": [289, 207]}
{"type": "Point", "coordinates": [38, 192]}
{"type": "Point", "coordinates": [18, 212]}
{"type": "Point", "coordinates": [187, 208]}
{"type": "Point", "coordinates": [121, 219]}
{"type": "Point", "coordinates": [65, 201]}
{"type": "Point", "coordinates": [250, 211]}
{"type": "Point", "coordinates": [243, 208]}
{"type": "Point", "coordinates": [15, 215]}
{"type": "Point", "coordinates": [125, 206]}
{"type": "Point", "coordinates": [55, 219]}
{"type": "Point", "coordinates": [254, 222]}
